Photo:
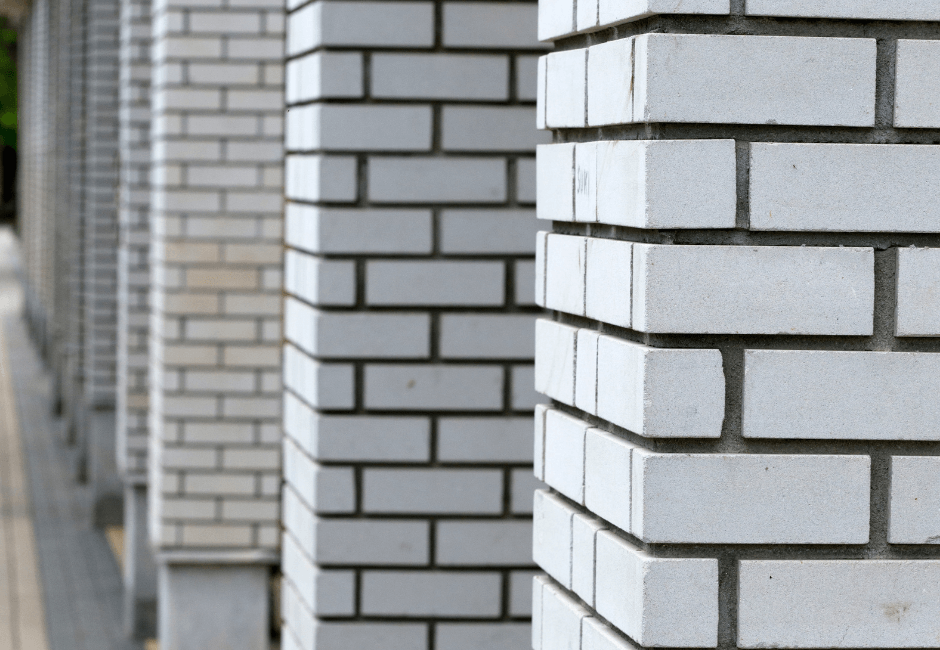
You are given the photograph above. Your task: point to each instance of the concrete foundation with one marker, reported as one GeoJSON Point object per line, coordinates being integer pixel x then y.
{"type": "Point", "coordinates": [213, 607]}
{"type": "Point", "coordinates": [140, 569]}
{"type": "Point", "coordinates": [106, 484]}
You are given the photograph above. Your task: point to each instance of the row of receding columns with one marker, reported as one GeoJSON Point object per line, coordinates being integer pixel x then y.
{"type": "Point", "coordinates": [152, 207]}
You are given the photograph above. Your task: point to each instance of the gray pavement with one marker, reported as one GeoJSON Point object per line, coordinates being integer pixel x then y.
{"type": "Point", "coordinates": [80, 577]}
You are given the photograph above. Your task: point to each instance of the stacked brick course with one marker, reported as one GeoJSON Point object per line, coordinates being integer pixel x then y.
{"type": "Point", "coordinates": [134, 243]}
{"type": "Point", "coordinates": [100, 254]}
{"type": "Point", "coordinates": [741, 445]}
{"type": "Point", "coordinates": [409, 228]}
{"type": "Point", "coordinates": [215, 327]}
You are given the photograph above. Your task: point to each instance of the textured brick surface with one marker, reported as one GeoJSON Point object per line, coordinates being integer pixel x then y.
{"type": "Point", "coordinates": [410, 315]}
{"type": "Point", "coordinates": [839, 395]}
{"type": "Point", "coordinates": [861, 603]}
{"type": "Point", "coordinates": [740, 261]}
{"type": "Point", "coordinates": [133, 270]}
{"type": "Point", "coordinates": [216, 314]}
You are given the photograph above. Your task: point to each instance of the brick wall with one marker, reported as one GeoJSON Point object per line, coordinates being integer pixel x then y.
{"type": "Point", "coordinates": [408, 320]}
{"type": "Point", "coordinates": [134, 239]}
{"type": "Point", "coordinates": [216, 231]}
{"type": "Point", "coordinates": [741, 266]}
{"type": "Point", "coordinates": [101, 178]}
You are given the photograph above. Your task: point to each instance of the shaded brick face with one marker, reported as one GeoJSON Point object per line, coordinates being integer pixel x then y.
{"type": "Point", "coordinates": [409, 323]}
{"type": "Point", "coordinates": [215, 326]}
{"type": "Point", "coordinates": [739, 260]}
{"type": "Point", "coordinates": [134, 239]}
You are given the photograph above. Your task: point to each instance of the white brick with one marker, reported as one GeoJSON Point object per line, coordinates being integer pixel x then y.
{"type": "Point", "coordinates": [541, 246]}
{"type": "Point", "coordinates": [597, 636]}
{"type": "Point", "coordinates": [439, 387]}
{"type": "Point", "coordinates": [828, 395]}
{"type": "Point", "coordinates": [611, 83]}
{"type": "Point", "coordinates": [844, 187]}
{"type": "Point", "coordinates": [585, 381]}
{"type": "Point", "coordinates": [616, 11]}
{"type": "Point", "coordinates": [435, 282]}
{"type": "Point", "coordinates": [587, 15]}
{"type": "Point", "coordinates": [487, 336]}
{"type": "Point", "coordinates": [660, 392]}
{"type": "Point", "coordinates": [857, 9]}
{"type": "Point", "coordinates": [607, 291]}
{"type": "Point", "coordinates": [320, 281]}
{"type": "Point", "coordinates": [320, 385]}
{"type": "Point", "coordinates": [916, 88]}
{"type": "Point", "coordinates": [538, 453]}
{"type": "Point", "coordinates": [480, 77]}
{"type": "Point", "coordinates": [561, 620]}
{"type": "Point", "coordinates": [490, 128]}
{"type": "Point", "coordinates": [657, 602]}
{"type": "Point", "coordinates": [324, 75]}
{"type": "Point", "coordinates": [607, 477]}
{"type": "Point", "coordinates": [753, 290]}
{"type": "Point", "coordinates": [565, 272]}
{"type": "Point", "coordinates": [847, 603]}
{"type": "Point", "coordinates": [482, 440]}
{"type": "Point", "coordinates": [484, 543]}
{"type": "Point", "coordinates": [481, 636]}
{"type": "Point", "coordinates": [541, 83]}
{"type": "Point", "coordinates": [370, 439]}
{"type": "Point", "coordinates": [320, 178]}
{"type": "Point", "coordinates": [720, 79]}
{"type": "Point", "coordinates": [565, 91]}
{"type": "Point", "coordinates": [438, 594]}
{"type": "Point", "coordinates": [362, 24]}
{"type": "Point", "coordinates": [915, 500]}
{"type": "Point", "coordinates": [353, 127]}
{"type": "Point", "coordinates": [554, 360]}
{"type": "Point", "coordinates": [918, 286]}
{"type": "Point", "coordinates": [551, 536]}
{"type": "Point", "coordinates": [432, 491]}
{"type": "Point", "coordinates": [437, 180]}
{"type": "Point", "coordinates": [584, 531]}
{"type": "Point", "coordinates": [338, 231]}
{"type": "Point", "coordinates": [555, 182]}
{"type": "Point", "coordinates": [667, 183]}
{"type": "Point", "coordinates": [336, 335]}
{"type": "Point", "coordinates": [488, 231]}
{"type": "Point", "coordinates": [564, 454]}
{"type": "Point", "coordinates": [370, 542]}
{"type": "Point", "coordinates": [555, 18]}
{"type": "Point", "coordinates": [368, 636]}
{"type": "Point", "coordinates": [538, 584]}
{"type": "Point", "coordinates": [481, 25]}
{"type": "Point", "coordinates": [725, 499]}
{"type": "Point", "coordinates": [585, 181]}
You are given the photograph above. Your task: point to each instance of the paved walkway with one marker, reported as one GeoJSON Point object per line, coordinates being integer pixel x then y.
{"type": "Point", "coordinates": [60, 587]}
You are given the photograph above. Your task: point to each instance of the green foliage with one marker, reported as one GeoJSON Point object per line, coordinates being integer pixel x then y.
{"type": "Point", "coordinates": [8, 100]}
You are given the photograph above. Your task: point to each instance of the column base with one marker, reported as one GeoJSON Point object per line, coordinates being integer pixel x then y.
{"type": "Point", "coordinates": [107, 488]}
{"type": "Point", "coordinates": [222, 607]}
{"type": "Point", "coordinates": [140, 569]}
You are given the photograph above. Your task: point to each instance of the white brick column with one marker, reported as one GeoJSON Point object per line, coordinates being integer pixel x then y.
{"type": "Point", "coordinates": [134, 312]}
{"type": "Point", "coordinates": [409, 271]}
{"type": "Point", "coordinates": [100, 257]}
{"type": "Point", "coordinates": [741, 263]}
{"type": "Point", "coordinates": [215, 332]}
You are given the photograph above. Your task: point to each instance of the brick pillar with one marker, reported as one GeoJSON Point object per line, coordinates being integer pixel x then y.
{"type": "Point", "coordinates": [215, 331]}
{"type": "Point", "coordinates": [742, 268]}
{"type": "Point", "coordinates": [134, 313]}
{"type": "Point", "coordinates": [100, 244]}
{"type": "Point", "coordinates": [409, 315]}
